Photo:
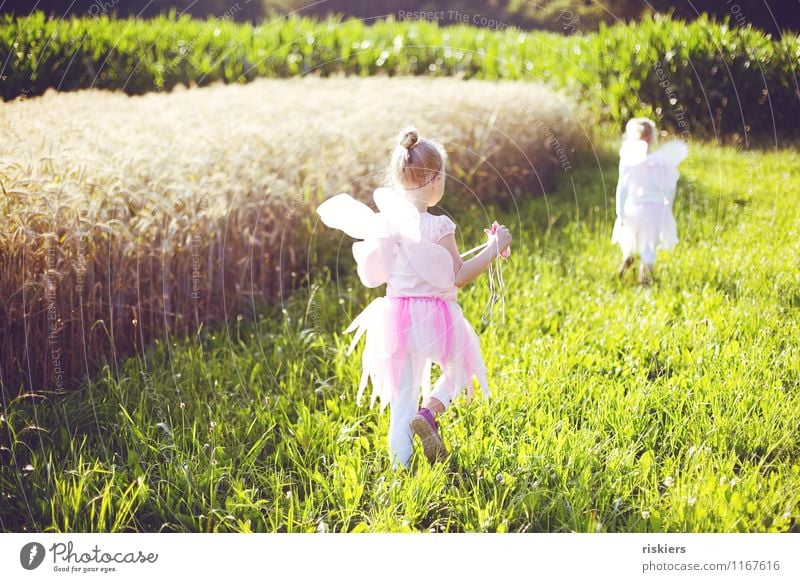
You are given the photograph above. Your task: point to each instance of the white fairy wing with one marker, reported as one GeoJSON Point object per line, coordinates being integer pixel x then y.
{"type": "Point", "coordinates": [399, 213]}
{"type": "Point", "coordinates": [632, 152]}
{"type": "Point", "coordinates": [431, 261]}
{"type": "Point", "coordinates": [397, 226]}
{"type": "Point", "coordinates": [375, 260]}
{"type": "Point", "coordinates": [374, 254]}
{"type": "Point", "coordinates": [354, 218]}
{"type": "Point", "coordinates": [664, 167]}
{"type": "Point", "coordinates": [670, 154]}
{"type": "Point", "coordinates": [665, 179]}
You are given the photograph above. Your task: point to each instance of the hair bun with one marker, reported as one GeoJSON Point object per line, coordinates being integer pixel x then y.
{"type": "Point", "coordinates": [408, 137]}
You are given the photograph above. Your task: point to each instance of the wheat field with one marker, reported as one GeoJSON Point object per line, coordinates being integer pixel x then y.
{"type": "Point", "coordinates": [128, 219]}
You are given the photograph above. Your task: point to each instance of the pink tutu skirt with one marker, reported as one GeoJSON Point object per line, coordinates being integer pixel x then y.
{"type": "Point", "coordinates": [647, 227]}
{"type": "Point", "coordinates": [416, 332]}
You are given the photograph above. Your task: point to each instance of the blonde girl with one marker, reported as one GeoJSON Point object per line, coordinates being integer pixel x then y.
{"type": "Point", "coordinates": [645, 193]}
{"type": "Point", "coordinates": [418, 322]}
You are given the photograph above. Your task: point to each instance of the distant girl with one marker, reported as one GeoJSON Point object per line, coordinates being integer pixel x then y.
{"type": "Point", "coordinates": [645, 193]}
{"type": "Point", "coordinates": [418, 322]}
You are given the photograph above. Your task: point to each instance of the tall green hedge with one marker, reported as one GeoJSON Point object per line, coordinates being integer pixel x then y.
{"type": "Point", "coordinates": [564, 16]}
{"type": "Point", "coordinates": [704, 78]}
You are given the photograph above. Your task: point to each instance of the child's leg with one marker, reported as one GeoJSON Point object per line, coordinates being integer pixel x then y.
{"type": "Point", "coordinates": [652, 217]}
{"type": "Point", "coordinates": [424, 423]}
{"type": "Point", "coordinates": [649, 255]}
{"type": "Point", "coordinates": [439, 399]}
{"type": "Point", "coordinates": [627, 261]}
{"type": "Point", "coordinates": [402, 409]}
{"type": "Point", "coordinates": [648, 260]}
{"type": "Point", "coordinates": [624, 234]}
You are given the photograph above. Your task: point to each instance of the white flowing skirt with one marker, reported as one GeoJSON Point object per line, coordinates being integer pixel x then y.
{"type": "Point", "coordinates": [416, 332]}
{"type": "Point", "coordinates": [644, 228]}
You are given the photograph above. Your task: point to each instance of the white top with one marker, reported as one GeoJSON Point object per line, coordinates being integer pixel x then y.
{"type": "Point", "coordinates": [648, 178]}
{"type": "Point", "coordinates": [404, 280]}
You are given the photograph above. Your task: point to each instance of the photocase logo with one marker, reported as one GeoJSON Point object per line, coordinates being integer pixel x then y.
{"type": "Point", "coordinates": [31, 556]}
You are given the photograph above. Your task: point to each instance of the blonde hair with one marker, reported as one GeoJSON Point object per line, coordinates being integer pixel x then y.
{"type": "Point", "coordinates": [416, 161]}
{"type": "Point", "coordinates": [642, 128]}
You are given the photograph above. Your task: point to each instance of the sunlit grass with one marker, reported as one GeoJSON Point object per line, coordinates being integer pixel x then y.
{"type": "Point", "coordinates": [615, 408]}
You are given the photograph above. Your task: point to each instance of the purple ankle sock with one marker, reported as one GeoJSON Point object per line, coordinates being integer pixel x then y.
{"type": "Point", "coordinates": [428, 415]}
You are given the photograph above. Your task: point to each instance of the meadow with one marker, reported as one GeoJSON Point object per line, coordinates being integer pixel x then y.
{"type": "Point", "coordinates": [615, 408]}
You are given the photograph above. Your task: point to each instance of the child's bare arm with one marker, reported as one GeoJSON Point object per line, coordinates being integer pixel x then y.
{"type": "Point", "coordinates": [467, 271]}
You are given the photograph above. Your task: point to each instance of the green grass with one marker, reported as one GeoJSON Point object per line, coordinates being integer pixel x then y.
{"type": "Point", "coordinates": [615, 408]}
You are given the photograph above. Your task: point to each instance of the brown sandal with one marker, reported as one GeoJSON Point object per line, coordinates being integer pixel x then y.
{"type": "Point", "coordinates": [626, 264]}
{"type": "Point", "coordinates": [424, 426]}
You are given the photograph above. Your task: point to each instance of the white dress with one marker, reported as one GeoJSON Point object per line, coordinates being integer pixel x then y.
{"type": "Point", "coordinates": [418, 322]}
{"type": "Point", "coordinates": [645, 194]}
